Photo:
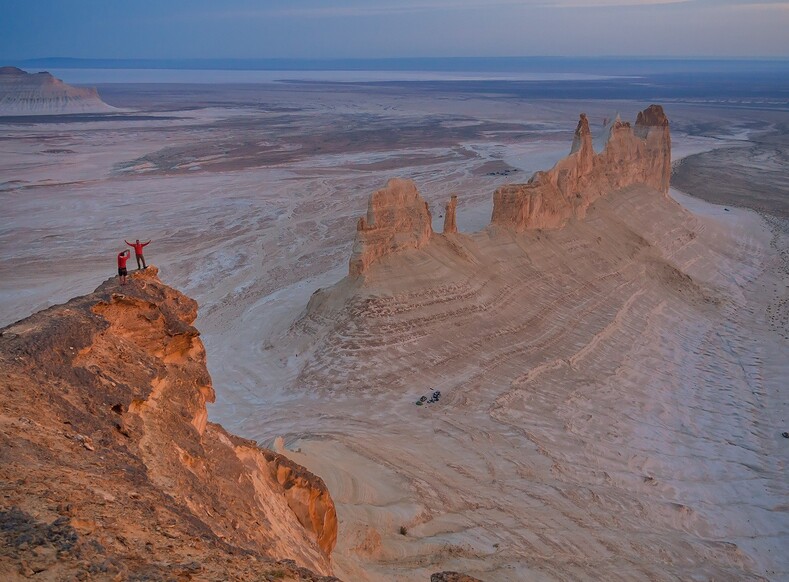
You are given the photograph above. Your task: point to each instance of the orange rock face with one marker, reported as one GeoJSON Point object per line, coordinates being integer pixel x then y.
{"type": "Point", "coordinates": [397, 219]}
{"type": "Point", "coordinates": [105, 440]}
{"type": "Point", "coordinates": [640, 155]}
{"type": "Point", "coordinates": [307, 497]}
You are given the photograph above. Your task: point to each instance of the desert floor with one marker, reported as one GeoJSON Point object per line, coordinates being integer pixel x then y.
{"type": "Point", "coordinates": [602, 415]}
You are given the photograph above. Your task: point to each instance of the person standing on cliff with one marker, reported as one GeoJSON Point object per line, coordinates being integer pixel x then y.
{"type": "Point", "coordinates": [137, 246]}
{"type": "Point", "coordinates": [123, 256]}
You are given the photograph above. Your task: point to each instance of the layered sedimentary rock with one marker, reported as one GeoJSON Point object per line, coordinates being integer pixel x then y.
{"type": "Point", "coordinates": [609, 392]}
{"type": "Point", "coordinates": [632, 155]}
{"type": "Point", "coordinates": [397, 219]}
{"type": "Point", "coordinates": [105, 450]}
{"type": "Point", "coordinates": [23, 93]}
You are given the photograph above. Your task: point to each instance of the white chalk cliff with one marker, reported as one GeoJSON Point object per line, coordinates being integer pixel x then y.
{"type": "Point", "coordinates": [23, 93]}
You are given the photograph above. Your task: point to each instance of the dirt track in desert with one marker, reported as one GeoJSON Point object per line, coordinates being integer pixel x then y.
{"type": "Point", "coordinates": [612, 394]}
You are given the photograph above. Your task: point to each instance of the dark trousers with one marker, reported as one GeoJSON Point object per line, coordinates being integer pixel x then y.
{"type": "Point", "coordinates": [140, 258]}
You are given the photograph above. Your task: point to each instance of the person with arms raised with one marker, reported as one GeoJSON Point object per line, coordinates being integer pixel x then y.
{"type": "Point", "coordinates": [137, 246]}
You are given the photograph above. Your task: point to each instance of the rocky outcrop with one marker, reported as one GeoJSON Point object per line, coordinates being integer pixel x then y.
{"type": "Point", "coordinates": [450, 222]}
{"type": "Point", "coordinates": [307, 497]}
{"type": "Point", "coordinates": [105, 441]}
{"type": "Point", "coordinates": [23, 93]}
{"type": "Point", "coordinates": [640, 155]}
{"type": "Point", "coordinates": [397, 219]}
{"type": "Point", "coordinates": [653, 127]}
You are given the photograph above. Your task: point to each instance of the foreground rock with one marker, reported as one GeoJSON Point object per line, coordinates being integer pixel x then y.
{"type": "Point", "coordinates": [23, 93]}
{"type": "Point", "coordinates": [109, 464]}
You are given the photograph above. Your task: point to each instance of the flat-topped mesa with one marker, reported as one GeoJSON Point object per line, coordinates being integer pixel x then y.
{"type": "Point", "coordinates": [113, 386]}
{"type": "Point", "coordinates": [23, 93]}
{"type": "Point", "coordinates": [397, 219]}
{"type": "Point", "coordinates": [640, 155]}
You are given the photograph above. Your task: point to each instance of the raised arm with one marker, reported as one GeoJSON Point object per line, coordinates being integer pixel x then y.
{"type": "Point", "coordinates": [145, 244]}
{"type": "Point", "coordinates": [128, 243]}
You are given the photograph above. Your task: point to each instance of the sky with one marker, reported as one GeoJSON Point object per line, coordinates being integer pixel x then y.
{"type": "Point", "coordinates": [175, 29]}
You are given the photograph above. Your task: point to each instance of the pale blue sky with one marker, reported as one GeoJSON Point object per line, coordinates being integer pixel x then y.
{"type": "Point", "coordinates": [390, 28]}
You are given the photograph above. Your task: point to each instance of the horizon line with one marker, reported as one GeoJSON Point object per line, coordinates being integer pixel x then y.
{"type": "Point", "coordinates": [412, 58]}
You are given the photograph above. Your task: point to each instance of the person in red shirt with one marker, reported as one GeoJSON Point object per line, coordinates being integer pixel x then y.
{"type": "Point", "coordinates": [123, 256]}
{"type": "Point", "coordinates": [137, 246]}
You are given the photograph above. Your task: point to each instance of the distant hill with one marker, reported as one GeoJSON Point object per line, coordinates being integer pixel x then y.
{"type": "Point", "coordinates": [23, 93]}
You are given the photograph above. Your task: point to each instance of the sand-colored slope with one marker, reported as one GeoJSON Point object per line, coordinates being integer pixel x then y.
{"type": "Point", "coordinates": [609, 402]}
{"type": "Point", "coordinates": [611, 386]}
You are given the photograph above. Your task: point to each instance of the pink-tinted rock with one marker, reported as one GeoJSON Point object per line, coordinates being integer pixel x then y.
{"type": "Point", "coordinates": [631, 156]}
{"type": "Point", "coordinates": [397, 219]}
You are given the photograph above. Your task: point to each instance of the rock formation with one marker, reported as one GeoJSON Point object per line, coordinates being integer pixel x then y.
{"type": "Point", "coordinates": [306, 495]}
{"type": "Point", "coordinates": [110, 466]}
{"type": "Point", "coordinates": [398, 217]}
{"type": "Point", "coordinates": [23, 93]}
{"type": "Point", "coordinates": [631, 156]}
{"type": "Point", "coordinates": [580, 369]}
{"type": "Point", "coordinates": [450, 224]}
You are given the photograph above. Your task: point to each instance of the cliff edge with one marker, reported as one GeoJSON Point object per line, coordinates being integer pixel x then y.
{"type": "Point", "coordinates": [110, 468]}
{"type": "Point", "coordinates": [23, 93]}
